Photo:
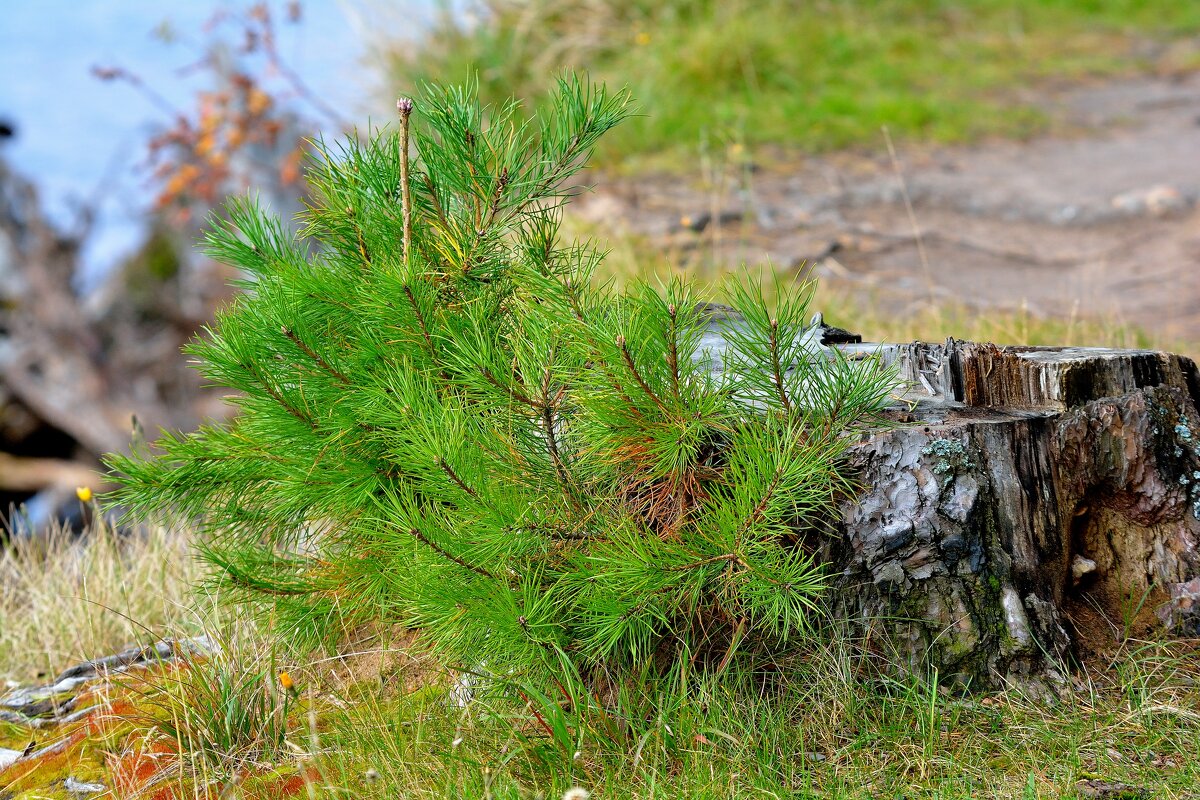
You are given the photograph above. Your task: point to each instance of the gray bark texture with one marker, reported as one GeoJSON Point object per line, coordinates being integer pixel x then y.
{"type": "Point", "coordinates": [1031, 508]}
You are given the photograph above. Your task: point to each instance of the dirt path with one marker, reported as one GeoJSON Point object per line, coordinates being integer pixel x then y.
{"type": "Point", "coordinates": [1100, 219]}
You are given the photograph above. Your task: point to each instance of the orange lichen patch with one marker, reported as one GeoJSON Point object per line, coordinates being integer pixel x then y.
{"type": "Point", "coordinates": [133, 769]}
{"type": "Point", "coordinates": [118, 712]}
{"type": "Point", "coordinates": [273, 787]}
{"type": "Point", "coordinates": [287, 787]}
{"type": "Point", "coordinates": [115, 740]}
{"type": "Point", "coordinates": [75, 749]}
{"type": "Point", "coordinates": [78, 750]}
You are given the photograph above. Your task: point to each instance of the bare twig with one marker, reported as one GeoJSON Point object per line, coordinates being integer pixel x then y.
{"type": "Point", "coordinates": [405, 106]}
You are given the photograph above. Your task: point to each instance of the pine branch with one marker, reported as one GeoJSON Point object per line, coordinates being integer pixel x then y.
{"type": "Point", "coordinates": [433, 198]}
{"type": "Point", "coordinates": [412, 301]}
{"type": "Point", "coordinates": [423, 539]}
{"type": "Point", "coordinates": [619, 388]}
{"type": "Point", "coordinates": [637, 376]}
{"type": "Point", "coordinates": [259, 587]}
{"type": "Point", "coordinates": [308, 351]}
{"type": "Point", "coordinates": [577, 311]}
{"type": "Point", "coordinates": [497, 196]}
{"type": "Point", "coordinates": [275, 395]}
{"type": "Point", "coordinates": [515, 394]}
{"type": "Point", "coordinates": [362, 243]}
{"type": "Point", "coordinates": [756, 514]}
{"type": "Point", "coordinates": [673, 350]}
{"type": "Point", "coordinates": [446, 468]}
{"type": "Point", "coordinates": [547, 417]}
{"type": "Point", "coordinates": [776, 368]}
{"type": "Point", "coordinates": [704, 562]}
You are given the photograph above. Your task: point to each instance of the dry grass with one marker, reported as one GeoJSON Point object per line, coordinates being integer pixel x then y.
{"type": "Point", "coordinates": [380, 723]}
{"type": "Point", "coordinates": [67, 597]}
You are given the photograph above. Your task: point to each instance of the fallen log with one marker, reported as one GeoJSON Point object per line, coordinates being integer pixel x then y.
{"type": "Point", "coordinates": [1031, 508]}
{"type": "Point", "coordinates": [20, 474]}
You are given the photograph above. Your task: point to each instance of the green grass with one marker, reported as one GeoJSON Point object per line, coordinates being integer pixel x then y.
{"type": "Point", "coordinates": [809, 76]}
{"type": "Point", "coordinates": [830, 723]}
{"type": "Point", "coordinates": [226, 714]}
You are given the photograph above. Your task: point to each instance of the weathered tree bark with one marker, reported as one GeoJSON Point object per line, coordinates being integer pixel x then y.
{"type": "Point", "coordinates": [1030, 508]}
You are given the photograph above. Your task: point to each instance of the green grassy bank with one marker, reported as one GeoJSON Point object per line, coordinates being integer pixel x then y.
{"type": "Point", "coordinates": [805, 75]}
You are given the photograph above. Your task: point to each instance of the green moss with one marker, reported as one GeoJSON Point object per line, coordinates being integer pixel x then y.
{"type": "Point", "coordinates": [13, 737]}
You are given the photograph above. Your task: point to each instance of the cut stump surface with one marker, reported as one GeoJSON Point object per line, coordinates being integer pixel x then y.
{"type": "Point", "coordinates": [1032, 507]}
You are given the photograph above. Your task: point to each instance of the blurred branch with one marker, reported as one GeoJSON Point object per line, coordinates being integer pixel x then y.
{"type": "Point", "coordinates": [261, 13]}
{"type": "Point", "coordinates": [242, 132]}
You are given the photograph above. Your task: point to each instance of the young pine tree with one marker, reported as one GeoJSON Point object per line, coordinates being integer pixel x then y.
{"type": "Point", "coordinates": [447, 421]}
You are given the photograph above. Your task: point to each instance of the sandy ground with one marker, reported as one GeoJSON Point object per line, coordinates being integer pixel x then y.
{"type": "Point", "coordinates": [1099, 219]}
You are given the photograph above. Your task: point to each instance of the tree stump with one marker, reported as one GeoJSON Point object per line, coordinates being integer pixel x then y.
{"type": "Point", "coordinates": [1032, 506]}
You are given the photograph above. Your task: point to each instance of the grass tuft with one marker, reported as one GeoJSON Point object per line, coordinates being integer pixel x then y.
{"type": "Point", "coordinates": [832, 720]}
{"type": "Point", "coordinates": [225, 715]}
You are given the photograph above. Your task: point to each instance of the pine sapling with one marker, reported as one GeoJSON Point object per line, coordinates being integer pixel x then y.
{"type": "Point", "coordinates": [447, 419]}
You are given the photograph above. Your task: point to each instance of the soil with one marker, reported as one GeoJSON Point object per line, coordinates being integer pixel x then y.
{"type": "Point", "coordinates": [1098, 219]}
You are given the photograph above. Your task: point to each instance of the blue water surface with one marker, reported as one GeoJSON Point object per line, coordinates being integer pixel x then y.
{"type": "Point", "coordinates": [82, 140]}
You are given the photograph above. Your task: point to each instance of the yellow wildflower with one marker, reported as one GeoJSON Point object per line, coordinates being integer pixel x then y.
{"type": "Point", "coordinates": [83, 493]}
{"type": "Point", "coordinates": [285, 680]}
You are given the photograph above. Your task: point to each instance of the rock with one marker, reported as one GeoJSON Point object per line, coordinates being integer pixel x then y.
{"type": "Point", "coordinates": [1155, 200]}
{"type": "Point", "coordinates": [83, 789]}
{"type": "Point", "coordinates": [9, 757]}
{"type": "Point", "coordinates": [55, 703]}
{"type": "Point", "coordinates": [700, 221]}
{"type": "Point", "coordinates": [1081, 566]}
{"type": "Point", "coordinates": [79, 732]}
{"type": "Point", "coordinates": [831, 335]}
{"type": "Point", "coordinates": [1109, 790]}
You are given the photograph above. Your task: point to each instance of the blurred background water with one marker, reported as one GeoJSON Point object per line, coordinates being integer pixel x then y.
{"type": "Point", "coordinates": [82, 140]}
